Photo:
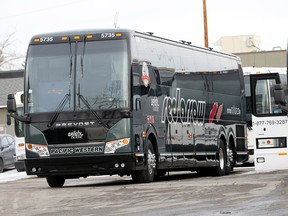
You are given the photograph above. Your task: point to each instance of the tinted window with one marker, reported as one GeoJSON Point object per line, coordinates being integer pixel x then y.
{"type": "Point", "coordinates": [166, 77]}
{"type": "Point", "coordinates": [196, 81]}
{"type": "Point", "coordinates": [103, 79]}
{"type": "Point", "coordinates": [48, 70]}
{"type": "Point", "coordinates": [226, 82]}
{"type": "Point", "coordinates": [153, 76]}
{"type": "Point", "coordinates": [101, 75]}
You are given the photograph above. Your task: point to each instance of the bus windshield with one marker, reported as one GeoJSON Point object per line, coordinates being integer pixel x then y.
{"type": "Point", "coordinates": [79, 76]}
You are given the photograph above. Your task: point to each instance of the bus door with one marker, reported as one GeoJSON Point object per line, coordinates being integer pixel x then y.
{"type": "Point", "coordinates": [270, 124]}
{"type": "Point", "coordinates": [145, 99]}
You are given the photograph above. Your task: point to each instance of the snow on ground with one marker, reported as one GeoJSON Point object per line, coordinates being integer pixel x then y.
{"type": "Point", "coordinates": [12, 175]}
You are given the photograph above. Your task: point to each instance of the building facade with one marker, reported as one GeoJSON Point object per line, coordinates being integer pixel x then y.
{"type": "Point", "coordinates": [10, 82]}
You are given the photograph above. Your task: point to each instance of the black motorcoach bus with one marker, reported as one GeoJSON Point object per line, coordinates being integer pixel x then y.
{"type": "Point", "coordinates": [104, 102]}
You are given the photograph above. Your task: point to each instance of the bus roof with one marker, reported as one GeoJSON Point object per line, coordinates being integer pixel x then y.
{"type": "Point", "coordinates": [127, 32]}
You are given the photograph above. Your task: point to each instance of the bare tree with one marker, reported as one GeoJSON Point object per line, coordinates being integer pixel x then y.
{"type": "Point", "coordinates": [9, 58]}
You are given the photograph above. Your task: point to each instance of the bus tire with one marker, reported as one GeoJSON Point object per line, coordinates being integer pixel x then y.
{"type": "Point", "coordinates": [55, 181]}
{"type": "Point", "coordinates": [230, 159]}
{"type": "Point", "coordinates": [146, 175]}
{"type": "Point", "coordinates": [221, 158]}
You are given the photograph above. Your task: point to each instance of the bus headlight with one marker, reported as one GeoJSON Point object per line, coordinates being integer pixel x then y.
{"type": "Point", "coordinates": [112, 146]}
{"type": "Point", "coordinates": [41, 150]}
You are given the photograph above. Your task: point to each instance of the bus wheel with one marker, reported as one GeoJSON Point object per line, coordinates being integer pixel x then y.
{"type": "Point", "coordinates": [1, 166]}
{"type": "Point", "coordinates": [147, 175]}
{"type": "Point", "coordinates": [55, 181]}
{"type": "Point", "coordinates": [230, 159]}
{"type": "Point", "coordinates": [220, 168]}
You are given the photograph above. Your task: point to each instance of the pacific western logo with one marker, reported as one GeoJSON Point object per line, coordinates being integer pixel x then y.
{"type": "Point", "coordinates": [75, 134]}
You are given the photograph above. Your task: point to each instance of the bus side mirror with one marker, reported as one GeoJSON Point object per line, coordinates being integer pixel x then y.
{"type": "Point", "coordinates": [11, 103]}
{"type": "Point", "coordinates": [8, 122]}
{"type": "Point", "coordinates": [279, 95]}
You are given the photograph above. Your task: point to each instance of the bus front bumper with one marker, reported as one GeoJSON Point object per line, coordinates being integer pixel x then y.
{"type": "Point", "coordinates": [82, 166]}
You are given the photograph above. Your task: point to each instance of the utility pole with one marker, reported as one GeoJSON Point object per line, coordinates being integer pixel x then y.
{"type": "Point", "coordinates": [116, 19]}
{"type": "Point", "coordinates": [205, 24]}
{"type": "Point", "coordinates": [287, 63]}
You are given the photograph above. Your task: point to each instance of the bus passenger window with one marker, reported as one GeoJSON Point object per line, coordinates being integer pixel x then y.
{"type": "Point", "coordinates": [136, 79]}
{"type": "Point", "coordinates": [152, 75]}
{"type": "Point", "coordinates": [166, 77]}
{"type": "Point", "coordinates": [265, 103]}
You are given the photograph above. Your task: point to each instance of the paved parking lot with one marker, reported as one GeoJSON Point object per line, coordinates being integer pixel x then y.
{"type": "Point", "coordinates": [244, 192]}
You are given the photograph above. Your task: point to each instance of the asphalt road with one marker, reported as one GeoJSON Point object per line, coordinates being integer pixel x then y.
{"type": "Point", "coordinates": [244, 192]}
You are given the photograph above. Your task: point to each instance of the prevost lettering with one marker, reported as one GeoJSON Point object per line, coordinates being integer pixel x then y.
{"type": "Point", "coordinates": [176, 109]}
{"type": "Point", "coordinates": [75, 124]}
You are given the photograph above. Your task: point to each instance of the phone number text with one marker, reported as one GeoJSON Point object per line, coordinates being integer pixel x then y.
{"type": "Point", "coordinates": [270, 122]}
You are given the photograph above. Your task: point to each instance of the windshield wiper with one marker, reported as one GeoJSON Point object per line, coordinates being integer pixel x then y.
{"type": "Point", "coordinates": [59, 108]}
{"type": "Point", "coordinates": [70, 57]}
{"type": "Point", "coordinates": [82, 56]}
{"type": "Point", "coordinates": [107, 127]}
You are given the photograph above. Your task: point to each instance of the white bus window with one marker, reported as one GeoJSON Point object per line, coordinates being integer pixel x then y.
{"type": "Point", "coordinates": [265, 103]}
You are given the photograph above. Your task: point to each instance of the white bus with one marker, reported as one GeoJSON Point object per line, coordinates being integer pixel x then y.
{"type": "Point", "coordinates": [19, 135]}
{"type": "Point", "coordinates": [269, 121]}
{"type": "Point", "coordinates": [247, 71]}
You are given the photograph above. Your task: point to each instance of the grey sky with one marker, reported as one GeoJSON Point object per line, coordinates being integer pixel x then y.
{"type": "Point", "coordinates": [178, 20]}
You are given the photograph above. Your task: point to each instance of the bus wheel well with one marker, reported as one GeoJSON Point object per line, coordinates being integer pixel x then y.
{"type": "Point", "coordinates": [229, 146]}
{"type": "Point", "coordinates": [146, 175]}
{"type": "Point", "coordinates": [231, 154]}
{"type": "Point", "coordinates": [223, 140]}
{"type": "Point", "coordinates": [232, 144]}
{"type": "Point", "coordinates": [153, 140]}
